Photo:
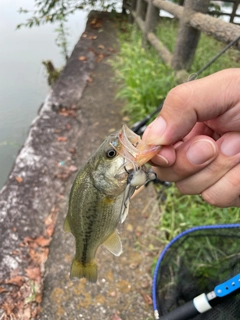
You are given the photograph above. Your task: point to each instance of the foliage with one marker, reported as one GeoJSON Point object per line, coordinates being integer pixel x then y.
{"type": "Point", "coordinates": [206, 50]}
{"type": "Point", "coordinates": [214, 9]}
{"type": "Point", "coordinates": [52, 73]}
{"type": "Point", "coordinates": [182, 212]}
{"type": "Point", "coordinates": [48, 11]}
{"type": "Point", "coordinates": [61, 39]}
{"type": "Point", "coordinates": [168, 38]}
{"type": "Point", "coordinates": [204, 252]}
{"type": "Point", "coordinates": [144, 80]}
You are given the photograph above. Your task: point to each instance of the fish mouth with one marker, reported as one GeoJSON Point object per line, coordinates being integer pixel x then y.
{"type": "Point", "coordinates": [131, 147]}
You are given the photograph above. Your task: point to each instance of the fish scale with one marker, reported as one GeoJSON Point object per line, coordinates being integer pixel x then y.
{"type": "Point", "coordinates": [99, 200]}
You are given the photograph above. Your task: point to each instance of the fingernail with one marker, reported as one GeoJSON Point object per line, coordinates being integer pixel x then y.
{"type": "Point", "coordinates": [201, 151]}
{"type": "Point", "coordinates": [161, 160]}
{"type": "Point", "coordinates": [231, 145]}
{"type": "Point", "coordinates": [153, 133]}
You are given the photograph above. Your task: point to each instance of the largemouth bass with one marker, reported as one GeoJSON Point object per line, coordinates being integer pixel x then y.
{"type": "Point", "coordinates": [99, 198]}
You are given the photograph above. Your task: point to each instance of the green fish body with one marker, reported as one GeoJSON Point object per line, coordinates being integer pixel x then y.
{"type": "Point", "coordinates": [99, 201]}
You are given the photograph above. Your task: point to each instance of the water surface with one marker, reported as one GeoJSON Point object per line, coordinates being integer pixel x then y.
{"type": "Point", "coordinates": [23, 85]}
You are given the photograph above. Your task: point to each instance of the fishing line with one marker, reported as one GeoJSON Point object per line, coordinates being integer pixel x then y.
{"type": "Point", "coordinates": [195, 75]}
{"type": "Point", "coordinates": [203, 302]}
{"type": "Point", "coordinates": [140, 126]}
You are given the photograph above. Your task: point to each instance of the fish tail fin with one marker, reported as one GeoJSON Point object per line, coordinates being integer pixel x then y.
{"type": "Point", "coordinates": [66, 225]}
{"type": "Point", "coordinates": [88, 271]}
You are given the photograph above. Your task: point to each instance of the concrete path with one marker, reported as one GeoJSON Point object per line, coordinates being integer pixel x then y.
{"type": "Point", "coordinates": [80, 112]}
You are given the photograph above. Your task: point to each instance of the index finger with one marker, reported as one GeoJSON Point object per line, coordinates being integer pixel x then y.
{"type": "Point", "coordinates": [196, 101]}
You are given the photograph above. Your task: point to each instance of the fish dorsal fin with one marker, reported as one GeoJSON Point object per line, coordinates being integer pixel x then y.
{"type": "Point", "coordinates": [114, 244]}
{"type": "Point", "coordinates": [66, 226]}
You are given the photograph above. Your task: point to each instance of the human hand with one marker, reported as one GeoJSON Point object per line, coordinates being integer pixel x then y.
{"type": "Point", "coordinates": [199, 128]}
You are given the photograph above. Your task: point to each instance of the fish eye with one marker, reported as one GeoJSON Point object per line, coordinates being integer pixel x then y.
{"type": "Point", "coordinates": [111, 153]}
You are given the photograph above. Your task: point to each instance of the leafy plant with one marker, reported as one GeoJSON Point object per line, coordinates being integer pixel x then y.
{"type": "Point", "coordinates": [52, 73]}
{"type": "Point", "coordinates": [207, 48]}
{"type": "Point", "coordinates": [182, 212]}
{"type": "Point", "coordinates": [62, 39]}
{"type": "Point", "coordinates": [48, 11]}
{"type": "Point", "coordinates": [144, 79]}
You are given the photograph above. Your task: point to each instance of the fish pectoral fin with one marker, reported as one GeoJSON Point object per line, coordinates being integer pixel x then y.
{"type": "Point", "coordinates": [66, 226]}
{"type": "Point", "coordinates": [114, 244]}
{"type": "Point", "coordinates": [88, 271]}
{"type": "Point", "coordinates": [129, 191]}
{"type": "Point", "coordinates": [124, 211]}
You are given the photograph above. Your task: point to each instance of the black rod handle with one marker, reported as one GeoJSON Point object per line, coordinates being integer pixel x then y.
{"type": "Point", "coordinates": [190, 309]}
{"type": "Point", "coordinates": [184, 312]}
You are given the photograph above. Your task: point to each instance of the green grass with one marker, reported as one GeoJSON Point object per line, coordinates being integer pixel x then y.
{"type": "Point", "coordinates": [145, 81]}
{"type": "Point", "coordinates": [182, 212]}
{"type": "Point", "coordinates": [207, 48]}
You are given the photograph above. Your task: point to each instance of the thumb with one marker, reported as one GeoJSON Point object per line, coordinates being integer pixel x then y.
{"type": "Point", "coordinates": [192, 102]}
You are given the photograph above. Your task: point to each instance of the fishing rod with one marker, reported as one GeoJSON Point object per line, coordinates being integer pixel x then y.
{"type": "Point", "coordinates": [194, 76]}
{"type": "Point", "coordinates": [204, 302]}
{"type": "Point", "coordinates": [140, 126]}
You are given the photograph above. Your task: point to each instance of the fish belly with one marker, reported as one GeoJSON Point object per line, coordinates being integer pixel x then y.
{"type": "Point", "coordinates": [92, 218]}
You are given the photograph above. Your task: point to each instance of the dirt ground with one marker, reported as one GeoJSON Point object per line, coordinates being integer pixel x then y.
{"type": "Point", "coordinates": [36, 254]}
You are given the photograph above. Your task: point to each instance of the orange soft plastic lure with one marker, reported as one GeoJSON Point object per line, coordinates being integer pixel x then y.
{"type": "Point", "coordinates": [133, 148]}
